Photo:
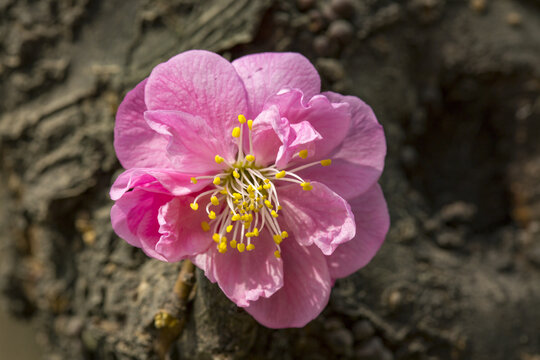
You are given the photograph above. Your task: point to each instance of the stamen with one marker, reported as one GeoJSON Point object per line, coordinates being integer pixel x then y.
{"type": "Point", "coordinates": [217, 180]}
{"type": "Point", "coordinates": [205, 226]}
{"type": "Point", "coordinates": [194, 206]}
{"type": "Point", "coordinates": [193, 180]}
{"type": "Point", "coordinates": [218, 159]}
{"type": "Point", "coordinates": [303, 154]}
{"type": "Point", "coordinates": [236, 132]}
{"type": "Point", "coordinates": [277, 254]}
{"type": "Point", "coordinates": [250, 158]}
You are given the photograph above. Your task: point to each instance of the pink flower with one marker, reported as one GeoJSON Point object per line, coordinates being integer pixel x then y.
{"type": "Point", "coordinates": [273, 209]}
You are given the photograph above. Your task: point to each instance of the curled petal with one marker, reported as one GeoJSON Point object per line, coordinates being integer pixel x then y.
{"type": "Point", "coordinates": [330, 120]}
{"type": "Point", "coordinates": [372, 223]}
{"type": "Point", "coordinates": [267, 73]}
{"type": "Point", "coordinates": [134, 218]}
{"type": "Point", "coordinates": [163, 181]}
{"type": "Point", "coordinates": [181, 238]}
{"type": "Point", "coordinates": [305, 291]}
{"type": "Point", "coordinates": [319, 216]}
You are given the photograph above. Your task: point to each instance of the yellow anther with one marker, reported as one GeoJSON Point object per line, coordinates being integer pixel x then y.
{"type": "Point", "coordinates": [278, 239]}
{"type": "Point", "coordinates": [281, 174]}
{"type": "Point", "coordinates": [274, 213]}
{"type": "Point", "coordinates": [256, 232]}
{"type": "Point", "coordinates": [193, 180]}
{"type": "Point", "coordinates": [229, 228]}
{"type": "Point", "coordinates": [250, 188]}
{"type": "Point", "coordinates": [217, 180]}
{"type": "Point", "coordinates": [259, 187]}
{"type": "Point", "coordinates": [306, 186]}
{"type": "Point", "coordinates": [216, 237]}
{"type": "Point", "coordinates": [233, 244]}
{"type": "Point", "coordinates": [250, 247]}
{"type": "Point", "coordinates": [212, 215]}
{"type": "Point", "coordinates": [251, 207]}
{"type": "Point", "coordinates": [268, 204]}
{"type": "Point", "coordinates": [280, 207]}
{"type": "Point", "coordinates": [236, 174]}
{"type": "Point", "coordinates": [224, 192]}
{"type": "Point", "coordinates": [236, 217]}
{"type": "Point", "coordinates": [223, 239]}
{"type": "Point", "coordinates": [241, 119]}
{"type": "Point", "coordinates": [266, 181]}
{"type": "Point", "coordinates": [249, 234]}
{"type": "Point", "coordinates": [218, 159]}
{"type": "Point", "coordinates": [267, 186]}
{"type": "Point", "coordinates": [237, 196]}
{"type": "Point", "coordinates": [250, 158]}
{"type": "Point", "coordinates": [205, 226]}
{"type": "Point", "coordinates": [277, 254]}
{"type": "Point", "coordinates": [236, 132]}
{"type": "Point", "coordinates": [222, 247]}
{"type": "Point", "coordinates": [250, 124]}
{"type": "Point", "coordinates": [214, 200]}
{"type": "Point", "coordinates": [241, 247]}
{"type": "Point", "coordinates": [303, 154]}
{"type": "Point", "coordinates": [326, 162]}
{"type": "Point", "coordinates": [284, 234]}
{"type": "Point", "coordinates": [194, 206]}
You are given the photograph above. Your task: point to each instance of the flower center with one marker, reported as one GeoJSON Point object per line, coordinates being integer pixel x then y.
{"type": "Point", "coordinates": [244, 200]}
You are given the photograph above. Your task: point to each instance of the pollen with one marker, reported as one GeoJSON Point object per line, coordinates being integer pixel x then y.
{"type": "Point", "coordinates": [250, 247]}
{"type": "Point", "coordinates": [218, 159]}
{"type": "Point", "coordinates": [274, 213]}
{"type": "Point", "coordinates": [194, 206]}
{"type": "Point", "coordinates": [236, 174]}
{"type": "Point", "coordinates": [216, 237]}
{"type": "Point", "coordinates": [278, 239]}
{"type": "Point", "coordinates": [281, 174]}
{"type": "Point", "coordinates": [303, 154]}
{"type": "Point", "coordinates": [277, 254]}
{"type": "Point", "coordinates": [205, 226]}
{"type": "Point", "coordinates": [214, 200]}
{"type": "Point", "coordinates": [222, 247]}
{"type": "Point", "coordinates": [193, 180]}
{"type": "Point", "coordinates": [306, 186]}
{"type": "Point", "coordinates": [241, 119]}
{"type": "Point", "coordinates": [229, 228]}
{"type": "Point", "coordinates": [326, 162]}
{"type": "Point", "coordinates": [250, 124]}
{"type": "Point", "coordinates": [233, 244]}
{"type": "Point", "coordinates": [217, 180]}
{"type": "Point", "coordinates": [212, 215]}
{"type": "Point", "coordinates": [284, 234]}
{"type": "Point", "coordinates": [236, 132]}
{"type": "Point", "coordinates": [241, 247]}
{"type": "Point", "coordinates": [250, 158]}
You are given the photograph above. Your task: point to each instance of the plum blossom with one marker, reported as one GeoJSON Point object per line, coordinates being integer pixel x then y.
{"type": "Point", "coordinates": [248, 170]}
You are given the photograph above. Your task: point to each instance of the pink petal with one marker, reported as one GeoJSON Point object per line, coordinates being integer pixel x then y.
{"type": "Point", "coordinates": [301, 136]}
{"type": "Point", "coordinates": [364, 147]}
{"type": "Point", "coordinates": [305, 290]}
{"type": "Point", "coordinates": [193, 144]}
{"type": "Point", "coordinates": [202, 84]}
{"type": "Point", "coordinates": [164, 181]}
{"type": "Point", "coordinates": [246, 276]}
{"type": "Point", "coordinates": [268, 129]}
{"type": "Point", "coordinates": [134, 218]}
{"type": "Point", "coordinates": [180, 229]}
{"type": "Point", "coordinates": [135, 143]}
{"type": "Point", "coordinates": [273, 134]}
{"type": "Point", "coordinates": [331, 121]}
{"type": "Point", "coordinates": [319, 216]}
{"type": "Point", "coordinates": [372, 223]}
{"type": "Point", "coordinates": [266, 73]}
{"type": "Point", "coordinates": [345, 178]}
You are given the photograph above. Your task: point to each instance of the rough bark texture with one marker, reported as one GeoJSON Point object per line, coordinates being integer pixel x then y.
{"type": "Point", "coordinates": [456, 85]}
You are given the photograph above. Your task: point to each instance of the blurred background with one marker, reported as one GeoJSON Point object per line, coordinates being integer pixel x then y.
{"type": "Point", "coordinates": [456, 85]}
